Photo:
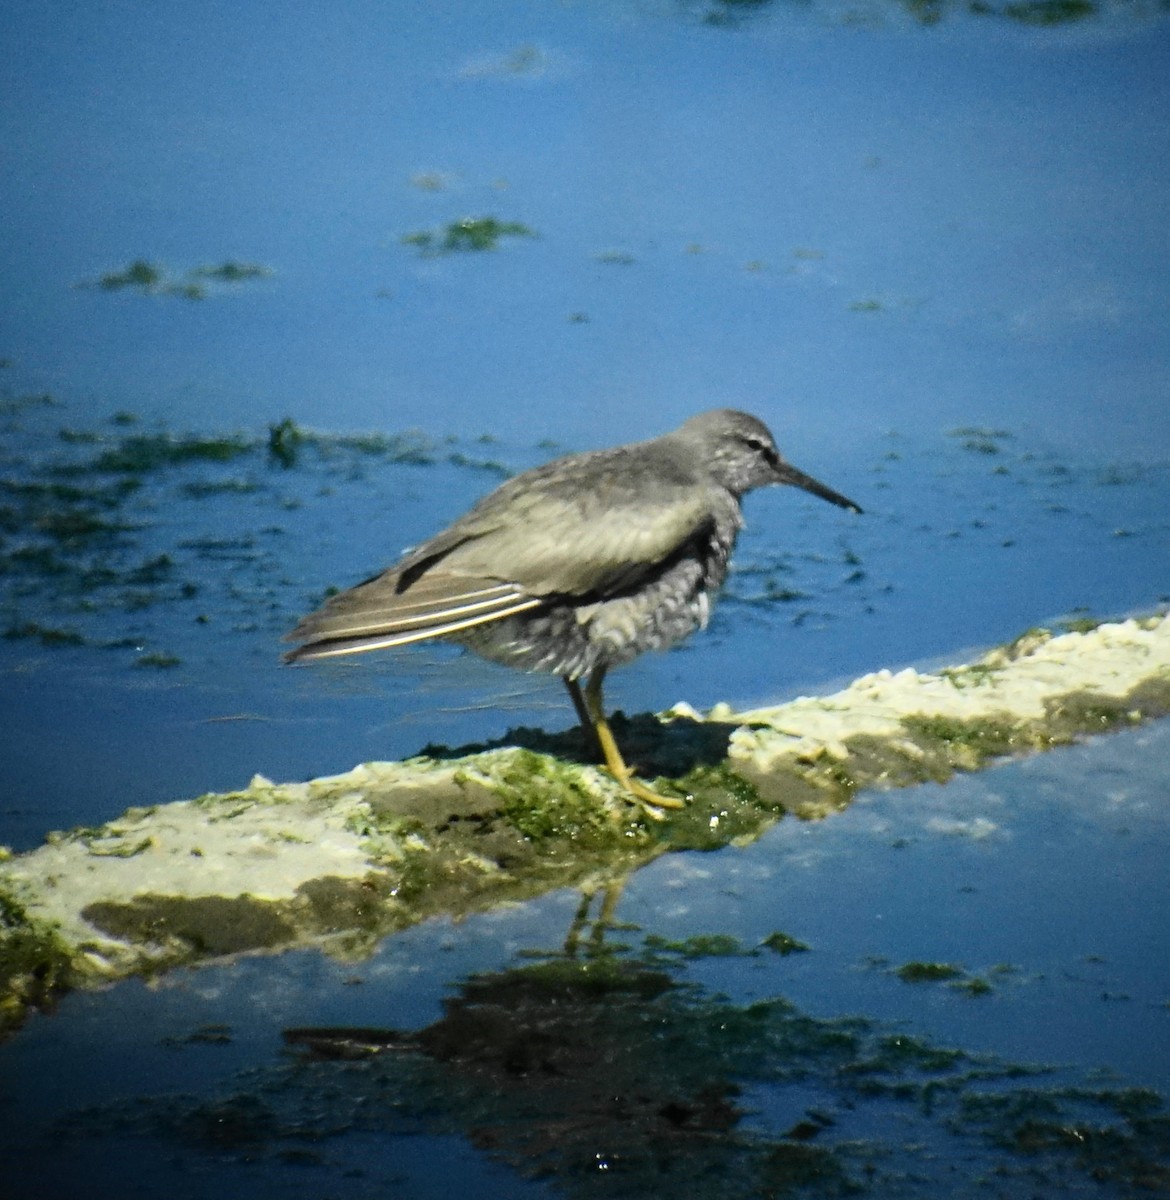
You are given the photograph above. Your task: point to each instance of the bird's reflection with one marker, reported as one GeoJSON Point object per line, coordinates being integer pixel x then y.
{"type": "Point", "coordinates": [608, 1069]}
{"type": "Point", "coordinates": [602, 1069]}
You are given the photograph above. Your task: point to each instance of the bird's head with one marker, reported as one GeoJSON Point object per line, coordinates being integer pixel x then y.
{"type": "Point", "coordinates": [740, 454]}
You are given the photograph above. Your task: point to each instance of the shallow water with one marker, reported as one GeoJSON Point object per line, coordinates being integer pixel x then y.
{"type": "Point", "coordinates": [1040, 887]}
{"type": "Point", "coordinates": [927, 246]}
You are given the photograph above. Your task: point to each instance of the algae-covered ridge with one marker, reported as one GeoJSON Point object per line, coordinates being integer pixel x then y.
{"type": "Point", "coordinates": [891, 729]}
{"type": "Point", "coordinates": [343, 861]}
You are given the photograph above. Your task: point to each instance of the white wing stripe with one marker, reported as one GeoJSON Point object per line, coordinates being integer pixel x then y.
{"type": "Point", "coordinates": [326, 648]}
{"type": "Point", "coordinates": [429, 613]}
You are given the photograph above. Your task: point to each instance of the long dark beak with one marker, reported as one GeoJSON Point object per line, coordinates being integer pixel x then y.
{"type": "Point", "coordinates": [787, 473]}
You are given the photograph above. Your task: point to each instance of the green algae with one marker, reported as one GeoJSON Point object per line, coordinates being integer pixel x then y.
{"type": "Point", "coordinates": [490, 466]}
{"type": "Point", "coordinates": [203, 489]}
{"type": "Point", "coordinates": [980, 440]}
{"type": "Point", "coordinates": [81, 537]}
{"type": "Point", "coordinates": [943, 744]}
{"type": "Point", "coordinates": [973, 675]}
{"type": "Point", "coordinates": [47, 635]}
{"type": "Point", "coordinates": [784, 944]}
{"type": "Point", "coordinates": [285, 439]}
{"type": "Point", "coordinates": [1085, 623]}
{"type": "Point", "coordinates": [36, 964]}
{"type": "Point", "coordinates": [467, 235]}
{"type": "Point", "coordinates": [154, 570]}
{"type": "Point", "coordinates": [965, 745]}
{"type": "Point", "coordinates": [614, 258]}
{"type": "Point", "coordinates": [505, 830]}
{"type": "Point", "coordinates": [78, 437]}
{"type": "Point", "coordinates": [730, 14]}
{"type": "Point", "coordinates": [139, 274]}
{"type": "Point", "coordinates": [152, 279]}
{"type": "Point", "coordinates": [142, 453]}
{"type": "Point", "coordinates": [76, 525]}
{"type": "Point", "coordinates": [721, 945]}
{"type": "Point", "coordinates": [722, 806]}
{"type": "Point", "coordinates": [121, 848]}
{"type": "Point", "coordinates": [11, 406]}
{"type": "Point", "coordinates": [544, 800]}
{"type": "Point", "coordinates": [1048, 13]}
{"type": "Point", "coordinates": [699, 945]}
{"type": "Point", "coordinates": [976, 985]}
{"type": "Point", "coordinates": [1088, 713]}
{"type": "Point", "coordinates": [63, 512]}
{"type": "Point", "coordinates": [928, 972]}
{"type": "Point", "coordinates": [232, 272]}
{"type": "Point", "coordinates": [287, 443]}
{"type": "Point", "coordinates": [157, 660]}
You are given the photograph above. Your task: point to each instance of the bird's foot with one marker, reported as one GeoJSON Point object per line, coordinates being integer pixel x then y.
{"type": "Point", "coordinates": [652, 802]}
{"type": "Point", "coordinates": [593, 713]}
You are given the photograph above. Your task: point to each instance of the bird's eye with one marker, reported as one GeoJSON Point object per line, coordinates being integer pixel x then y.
{"type": "Point", "coordinates": [756, 444]}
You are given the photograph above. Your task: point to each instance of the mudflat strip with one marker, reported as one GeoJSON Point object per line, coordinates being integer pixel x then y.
{"type": "Point", "coordinates": [341, 862]}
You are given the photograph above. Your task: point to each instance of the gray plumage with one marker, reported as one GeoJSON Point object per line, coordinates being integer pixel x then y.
{"type": "Point", "coordinates": [586, 561]}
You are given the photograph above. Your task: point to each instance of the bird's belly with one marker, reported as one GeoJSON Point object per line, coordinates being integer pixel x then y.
{"type": "Point", "coordinates": [572, 638]}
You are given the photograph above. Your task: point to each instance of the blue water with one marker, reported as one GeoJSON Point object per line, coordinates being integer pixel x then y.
{"type": "Point", "coordinates": [871, 229]}
{"type": "Point", "coordinates": [997, 189]}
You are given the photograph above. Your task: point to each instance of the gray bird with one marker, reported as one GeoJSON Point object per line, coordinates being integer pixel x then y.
{"type": "Point", "coordinates": [576, 566]}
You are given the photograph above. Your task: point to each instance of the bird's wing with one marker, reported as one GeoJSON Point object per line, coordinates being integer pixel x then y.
{"type": "Point", "coordinates": [375, 615]}
{"type": "Point", "coordinates": [592, 523]}
{"type": "Point", "coordinates": [582, 526]}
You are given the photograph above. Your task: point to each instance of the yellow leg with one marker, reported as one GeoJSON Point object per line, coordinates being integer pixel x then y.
{"type": "Point", "coordinates": [605, 916]}
{"type": "Point", "coordinates": [604, 921]}
{"type": "Point", "coordinates": [616, 765]}
{"type": "Point", "coordinates": [573, 937]}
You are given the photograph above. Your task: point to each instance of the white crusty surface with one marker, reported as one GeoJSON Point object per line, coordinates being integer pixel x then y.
{"type": "Point", "coordinates": [1019, 682]}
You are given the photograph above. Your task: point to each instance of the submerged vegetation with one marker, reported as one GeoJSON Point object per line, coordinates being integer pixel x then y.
{"type": "Point", "coordinates": [470, 234]}
{"type": "Point", "coordinates": [102, 525]}
{"type": "Point", "coordinates": [151, 279]}
{"type": "Point", "coordinates": [1038, 13]}
{"type": "Point", "coordinates": [980, 440]}
{"type": "Point", "coordinates": [613, 1073]}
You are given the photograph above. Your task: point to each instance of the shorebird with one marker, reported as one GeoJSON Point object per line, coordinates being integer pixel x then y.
{"type": "Point", "coordinates": [577, 566]}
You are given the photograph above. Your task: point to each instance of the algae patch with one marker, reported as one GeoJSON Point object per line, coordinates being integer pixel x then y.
{"type": "Point", "coordinates": [36, 963]}
{"type": "Point", "coordinates": [784, 944]}
{"type": "Point", "coordinates": [928, 972]}
{"type": "Point", "coordinates": [201, 927]}
{"type": "Point", "coordinates": [152, 279]}
{"type": "Point", "coordinates": [101, 523]}
{"type": "Point", "coordinates": [193, 928]}
{"type": "Point", "coordinates": [468, 235]}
